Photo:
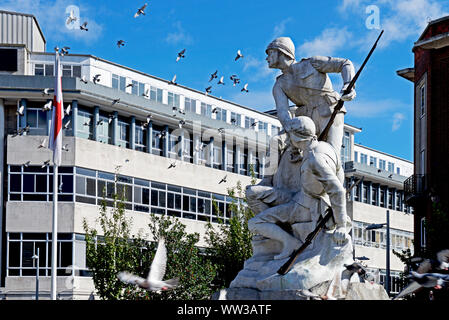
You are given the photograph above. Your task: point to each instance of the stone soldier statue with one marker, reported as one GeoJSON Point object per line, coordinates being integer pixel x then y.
{"type": "Point", "coordinates": [321, 185]}
{"type": "Point", "coordinates": [308, 86]}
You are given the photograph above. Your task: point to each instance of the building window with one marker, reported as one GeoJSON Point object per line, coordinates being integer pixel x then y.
{"type": "Point", "coordinates": [115, 81]}
{"type": "Point", "coordinates": [250, 123]}
{"type": "Point", "coordinates": [356, 156]}
{"type": "Point", "coordinates": [373, 161]}
{"type": "Point", "coordinates": [235, 119]}
{"type": "Point", "coordinates": [36, 118]}
{"type": "Point", "coordinates": [85, 125]}
{"type": "Point", "coordinates": [122, 83]}
{"type": "Point", "coordinates": [187, 152]}
{"type": "Point", "coordinates": [217, 157]}
{"type": "Point", "coordinates": [206, 110]}
{"type": "Point", "coordinates": [190, 105]}
{"type": "Point", "coordinates": [229, 159]}
{"type": "Point", "coordinates": [243, 164]}
{"type": "Point", "coordinates": [422, 99]}
{"type": "Point", "coordinates": [140, 139]}
{"type": "Point", "coordinates": [374, 195]}
{"type": "Point", "coordinates": [43, 69]}
{"type": "Point", "coordinates": [104, 130]}
{"type": "Point", "coordinates": [173, 99]}
{"type": "Point", "coordinates": [123, 134]}
{"type": "Point", "coordinates": [363, 158]}
{"type": "Point", "coordinates": [274, 130]}
{"type": "Point", "coordinates": [382, 164]}
{"type": "Point", "coordinates": [263, 127]}
{"type": "Point", "coordinates": [22, 246]}
{"type": "Point", "coordinates": [390, 166]}
{"type": "Point", "coordinates": [135, 87]}
{"type": "Point", "coordinates": [220, 114]}
{"type": "Point", "coordinates": [382, 198]}
{"type": "Point", "coordinates": [141, 89]}
{"type": "Point", "coordinates": [346, 148]}
{"type": "Point", "coordinates": [398, 170]}
{"type": "Point", "coordinates": [66, 70]}
{"type": "Point", "coordinates": [423, 232]}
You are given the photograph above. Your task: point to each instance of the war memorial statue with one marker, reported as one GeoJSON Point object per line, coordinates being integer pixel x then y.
{"type": "Point", "coordinates": [304, 183]}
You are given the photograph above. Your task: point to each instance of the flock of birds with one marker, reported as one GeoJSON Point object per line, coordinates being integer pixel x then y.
{"type": "Point", "coordinates": [121, 43]}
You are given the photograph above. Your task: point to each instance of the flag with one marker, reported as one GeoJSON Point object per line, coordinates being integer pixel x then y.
{"type": "Point", "coordinates": [55, 138]}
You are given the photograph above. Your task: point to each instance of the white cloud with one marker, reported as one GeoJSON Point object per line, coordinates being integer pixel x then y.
{"type": "Point", "coordinates": [258, 68]}
{"type": "Point", "coordinates": [397, 121]}
{"type": "Point", "coordinates": [279, 29]}
{"type": "Point", "coordinates": [375, 108]}
{"type": "Point", "coordinates": [179, 35]}
{"type": "Point", "coordinates": [52, 15]}
{"type": "Point", "coordinates": [327, 43]}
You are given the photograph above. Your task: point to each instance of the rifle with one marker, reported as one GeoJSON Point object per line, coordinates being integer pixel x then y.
{"type": "Point", "coordinates": [287, 266]}
{"type": "Point", "coordinates": [323, 135]}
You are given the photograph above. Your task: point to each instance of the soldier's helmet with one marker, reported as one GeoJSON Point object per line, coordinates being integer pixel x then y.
{"type": "Point", "coordinates": [303, 128]}
{"type": "Point", "coordinates": [283, 44]}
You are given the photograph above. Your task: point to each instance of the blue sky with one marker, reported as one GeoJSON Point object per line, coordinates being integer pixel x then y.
{"type": "Point", "coordinates": [212, 31]}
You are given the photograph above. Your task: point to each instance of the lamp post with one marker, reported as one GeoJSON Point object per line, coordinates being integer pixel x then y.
{"type": "Point", "coordinates": [379, 226]}
{"type": "Point", "coordinates": [36, 258]}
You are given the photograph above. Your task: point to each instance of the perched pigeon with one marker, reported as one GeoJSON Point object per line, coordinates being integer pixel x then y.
{"type": "Point", "coordinates": [42, 145]}
{"type": "Point", "coordinates": [26, 164]}
{"type": "Point", "coordinates": [239, 55]}
{"type": "Point", "coordinates": [46, 163]}
{"type": "Point", "coordinates": [180, 55]}
{"type": "Point", "coordinates": [181, 123]}
{"type": "Point", "coordinates": [154, 281]}
{"type": "Point", "coordinates": [83, 26]}
{"type": "Point", "coordinates": [140, 11]}
{"type": "Point", "coordinates": [173, 80]}
{"type": "Point", "coordinates": [213, 75]}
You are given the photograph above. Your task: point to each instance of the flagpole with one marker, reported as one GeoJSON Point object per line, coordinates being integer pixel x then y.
{"type": "Point", "coordinates": [54, 239]}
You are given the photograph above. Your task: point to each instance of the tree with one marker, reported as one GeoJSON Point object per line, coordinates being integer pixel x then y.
{"type": "Point", "coordinates": [184, 260]}
{"type": "Point", "coordinates": [111, 253]}
{"type": "Point", "coordinates": [230, 243]}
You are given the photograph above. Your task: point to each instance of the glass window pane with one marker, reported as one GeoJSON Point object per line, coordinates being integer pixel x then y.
{"type": "Point", "coordinates": [28, 183]}
{"type": "Point", "coordinates": [77, 71]}
{"type": "Point", "coordinates": [15, 183]}
{"type": "Point", "coordinates": [32, 118]}
{"type": "Point", "coordinates": [14, 254]}
{"type": "Point", "coordinates": [49, 70]}
{"type": "Point", "coordinates": [41, 183]}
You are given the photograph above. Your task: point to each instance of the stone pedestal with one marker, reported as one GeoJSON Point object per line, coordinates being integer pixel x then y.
{"type": "Point", "coordinates": [356, 291]}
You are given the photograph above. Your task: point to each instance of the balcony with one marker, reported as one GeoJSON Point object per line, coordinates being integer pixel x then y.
{"type": "Point", "coordinates": [415, 188]}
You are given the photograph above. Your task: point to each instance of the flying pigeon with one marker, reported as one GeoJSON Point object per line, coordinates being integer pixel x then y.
{"type": "Point", "coordinates": [213, 76]}
{"type": "Point", "coordinates": [173, 81]}
{"type": "Point", "coordinates": [66, 126]}
{"type": "Point", "coordinates": [83, 26]}
{"type": "Point", "coordinates": [130, 85]}
{"type": "Point", "coordinates": [71, 17]}
{"type": "Point", "coordinates": [208, 90]}
{"type": "Point", "coordinates": [181, 123]}
{"type": "Point", "coordinates": [221, 80]}
{"type": "Point", "coordinates": [47, 106]}
{"type": "Point", "coordinates": [115, 101]}
{"type": "Point", "coordinates": [96, 78]}
{"type": "Point", "coordinates": [426, 280]}
{"type": "Point", "coordinates": [46, 163]}
{"type": "Point", "coordinates": [172, 165]}
{"type": "Point", "coordinates": [154, 281]}
{"type": "Point", "coordinates": [180, 55]}
{"type": "Point", "coordinates": [140, 11]}
{"type": "Point", "coordinates": [146, 94]}
{"type": "Point", "coordinates": [429, 265]}
{"type": "Point", "coordinates": [65, 147]}
{"type": "Point", "coordinates": [120, 43]}
{"type": "Point", "coordinates": [253, 124]}
{"type": "Point", "coordinates": [64, 51]}
{"type": "Point", "coordinates": [223, 179]}
{"type": "Point", "coordinates": [214, 110]}
{"type": "Point", "coordinates": [20, 110]}
{"type": "Point", "coordinates": [181, 111]}
{"type": "Point", "coordinates": [245, 88]}
{"type": "Point", "coordinates": [100, 122]}
{"type": "Point", "coordinates": [68, 109]}
{"type": "Point", "coordinates": [221, 130]}
{"type": "Point", "coordinates": [83, 79]}
{"type": "Point", "coordinates": [239, 55]}
{"type": "Point", "coordinates": [46, 92]}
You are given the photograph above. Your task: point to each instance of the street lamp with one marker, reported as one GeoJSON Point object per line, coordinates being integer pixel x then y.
{"type": "Point", "coordinates": [36, 258]}
{"type": "Point", "coordinates": [379, 226]}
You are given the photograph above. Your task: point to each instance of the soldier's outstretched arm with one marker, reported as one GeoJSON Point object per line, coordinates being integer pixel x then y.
{"type": "Point", "coordinates": [281, 100]}
{"type": "Point", "coordinates": [336, 65]}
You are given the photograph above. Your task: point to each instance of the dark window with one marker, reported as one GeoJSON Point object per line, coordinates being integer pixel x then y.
{"type": "Point", "coordinates": [28, 183]}
{"type": "Point", "coordinates": [14, 254]}
{"type": "Point", "coordinates": [41, 183]}
{"type": "Point", "coordinates": [15, 183]}
{"type": "Point", "coordinates": [8, 59]}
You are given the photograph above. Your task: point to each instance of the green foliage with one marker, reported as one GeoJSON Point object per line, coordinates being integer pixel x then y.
{"type": "Point", "coordinates": [230, 244]}
{"type": "Point", "coordinates": [184, 260]}
{"type": "Point", "coordinates": [436, 228]}
{"type": "Point", "coordinates": [111, 253]}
